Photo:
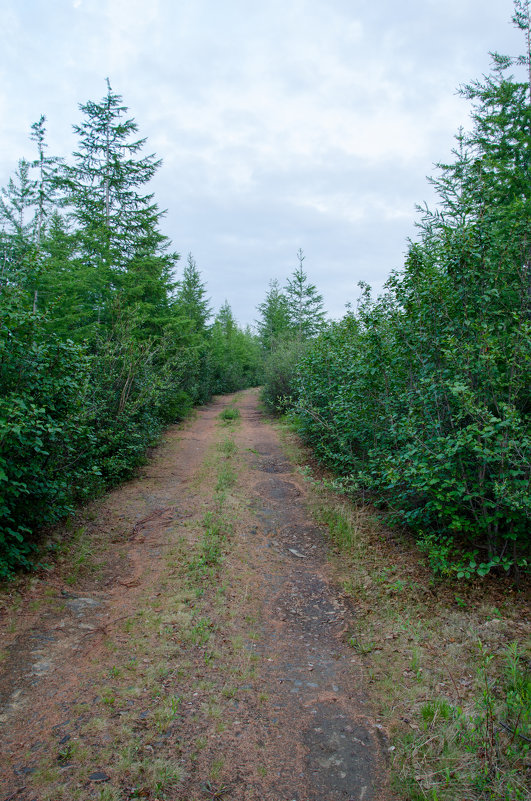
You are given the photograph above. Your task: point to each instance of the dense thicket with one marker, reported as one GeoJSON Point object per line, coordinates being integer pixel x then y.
{"type": "Point", "coordinates": [422, 397]}
{"type": "Point", "coordinates": [100, 345]}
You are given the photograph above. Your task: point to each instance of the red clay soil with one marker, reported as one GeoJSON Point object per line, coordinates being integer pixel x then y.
{"type": "Point", "coordinates": [114, 667]}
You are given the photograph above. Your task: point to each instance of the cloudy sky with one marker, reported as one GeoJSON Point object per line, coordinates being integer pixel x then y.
{"type": "Point", "coordinates": [281, 123]}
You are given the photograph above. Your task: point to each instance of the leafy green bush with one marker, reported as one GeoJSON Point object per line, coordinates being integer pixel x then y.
{"type": "Point", "coordinates": [44, 435]}
{"type": "Point", "coordinates": [281, 365]}
{"type": "Point", "coordinates": [419, 400]}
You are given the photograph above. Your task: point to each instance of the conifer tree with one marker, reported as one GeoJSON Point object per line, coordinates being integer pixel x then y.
{"type": "Point", "coordinates": [235, 353]}
{"type": "Point", "coordinates": [191, 301]}
{"type": "Point", "coordinates": [305, 304]}
{"type": "Point", "coordinates": [16, 227]}
{"type": "Point", "coordinates": [275, 322]}
{"type": "Point", "coordinates": [46, 181]}
{"type": "Point", "coordinates": [122, 251]}
{"type": "Point", "coordinates": [25, 205]}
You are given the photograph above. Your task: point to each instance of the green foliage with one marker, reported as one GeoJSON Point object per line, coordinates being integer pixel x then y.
{"type": "Point", "coordinates": [421, 398]}
{"type": "Point", "coordinates": [235, 358]}
{"type": "Point", "coordinates": [280, 389]}
{"type": "Point", "coordinates": [99, 347]}
{"type": "Point", "coordinates": [305, 304]}
{"type": "Point", "coordinates": [229, 414]}
{"type": "Point", "coordinates": [191, 301]}
{"type": "Point", "coordinates": [289, 319]}
{"type": "Point", "coordinates": [44, 384]}
{"type": "Point", "coordinates": [275, 320]}
{"type": "Point", "coordinates": [121, 255]}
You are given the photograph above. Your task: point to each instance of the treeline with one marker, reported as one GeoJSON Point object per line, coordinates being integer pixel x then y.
{"type": "Point", "coordinates": [420, 400]}
{"type": "Point", "coordinates": [100, 346]}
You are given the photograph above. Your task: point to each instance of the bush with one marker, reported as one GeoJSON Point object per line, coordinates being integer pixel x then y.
{"type": "Point", "coordinates": [420, 400]}
{"type": "Point", "coordinates": [280, 388]}
{"type": "Point", "coordinates": [44, 434]}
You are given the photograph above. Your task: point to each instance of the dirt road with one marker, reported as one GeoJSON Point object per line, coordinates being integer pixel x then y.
{"type": "Point", "coordinates": [190, 644]}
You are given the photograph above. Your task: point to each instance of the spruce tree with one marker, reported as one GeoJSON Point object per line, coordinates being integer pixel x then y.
{"type": "Point", "coordinates": [305, 304]}
{"type": "Point", "coordinates": [123, 256]}
{"type": "Point", "coordinates": [25, 206]}
{"type": "Point", "coordinates": [46, 181]}
{"type": "Point", "coordinates": [275, 322]}
{"type": "Point", "coordinates": [191, 301]}
{"type": "Point", "coordinates": [16, 228]}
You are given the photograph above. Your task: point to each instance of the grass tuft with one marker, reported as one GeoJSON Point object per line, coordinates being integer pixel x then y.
{"type": "Point", "coordinates": [230, 414]}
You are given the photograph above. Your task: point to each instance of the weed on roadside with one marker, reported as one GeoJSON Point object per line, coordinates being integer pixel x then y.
{"type": "Point", "coordinates": [478, 748]}
{"type": "Point", "coordinates": [230, 414]}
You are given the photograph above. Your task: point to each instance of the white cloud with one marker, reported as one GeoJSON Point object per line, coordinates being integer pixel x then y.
{"type": "Point", "coordinates": [281, 124]}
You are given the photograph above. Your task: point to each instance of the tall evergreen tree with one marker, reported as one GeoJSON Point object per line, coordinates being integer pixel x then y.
{"type": "Point", "coordinates": [305, 304]}
{"type": "Point", "coordinates": [16, 231]}
{"type": "Point", "coordinates": [235, 353]}
{"type": "Point", "coordinates": [25, 205]}
{"type": "Point", "coordinates": [46, 181]}
{"type": "Point", "coordinates": [121, 249]}
{"type": "Point", "coordinates": [275, 322]}
{"type": "Point", "coordinates": [45, 192]}
{"type": "Point", "coordinates": [191, 301]}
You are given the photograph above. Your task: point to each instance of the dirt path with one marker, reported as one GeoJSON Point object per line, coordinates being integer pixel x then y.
{"type": "Point", "coordinates": [191, 645]}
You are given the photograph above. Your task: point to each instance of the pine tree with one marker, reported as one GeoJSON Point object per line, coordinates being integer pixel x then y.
{"type": "Point", "coordinates": [26, 203]}
{"type": "Point", "coordinates": [275, 322]}
{"type": "Point", "coordinates": [191, 301]}
{"type": "Point", "coordinates": [45, 191]}
{"type": "Point", "coordinates": [122, 253]}
{"type": "Point", "coordinates": [482, 228]}
{"type": "Point", "coordinates": [16, 237]}
{"type": "Point", "coordinates": [305, 304]}
{"type": "Point", "coordinates": [234, 353]}
{"type": "Point", "coordinates": [46, 181]}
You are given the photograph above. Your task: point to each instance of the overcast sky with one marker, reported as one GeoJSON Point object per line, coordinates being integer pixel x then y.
{"type": "Point", "coordinates": [281, 123]}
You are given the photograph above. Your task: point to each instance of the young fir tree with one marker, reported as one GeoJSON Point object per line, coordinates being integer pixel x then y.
{"type": "Point", "coordinates": [123, 256]}
{"type": "Point", "coordinates": [191, 302]}
{"type": "Point", "coordinates": [234, 353]}
{"type": "Point", "coordinates": [45, 195]}
{"type": "Point", "coordinates": [19, 263]}
{"type": "Point", "coordinates": [305, 304]}
{"type": "Point", "coordinates": [46, 181]}
{"type": "Point", "coordinates": [187, 332]}
{"type": "Point", "coordinates": [25, 207]}
{"type": "Point", "coordinates": [275, 322]}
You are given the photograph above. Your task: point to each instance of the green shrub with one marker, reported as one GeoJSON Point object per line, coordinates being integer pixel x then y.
{"type": "Point", "coordinates": [229, 414]}
{"type": "Point", "coordinates": [280, 387]}
{"type": "Point", "coordinates": [44, 433]}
